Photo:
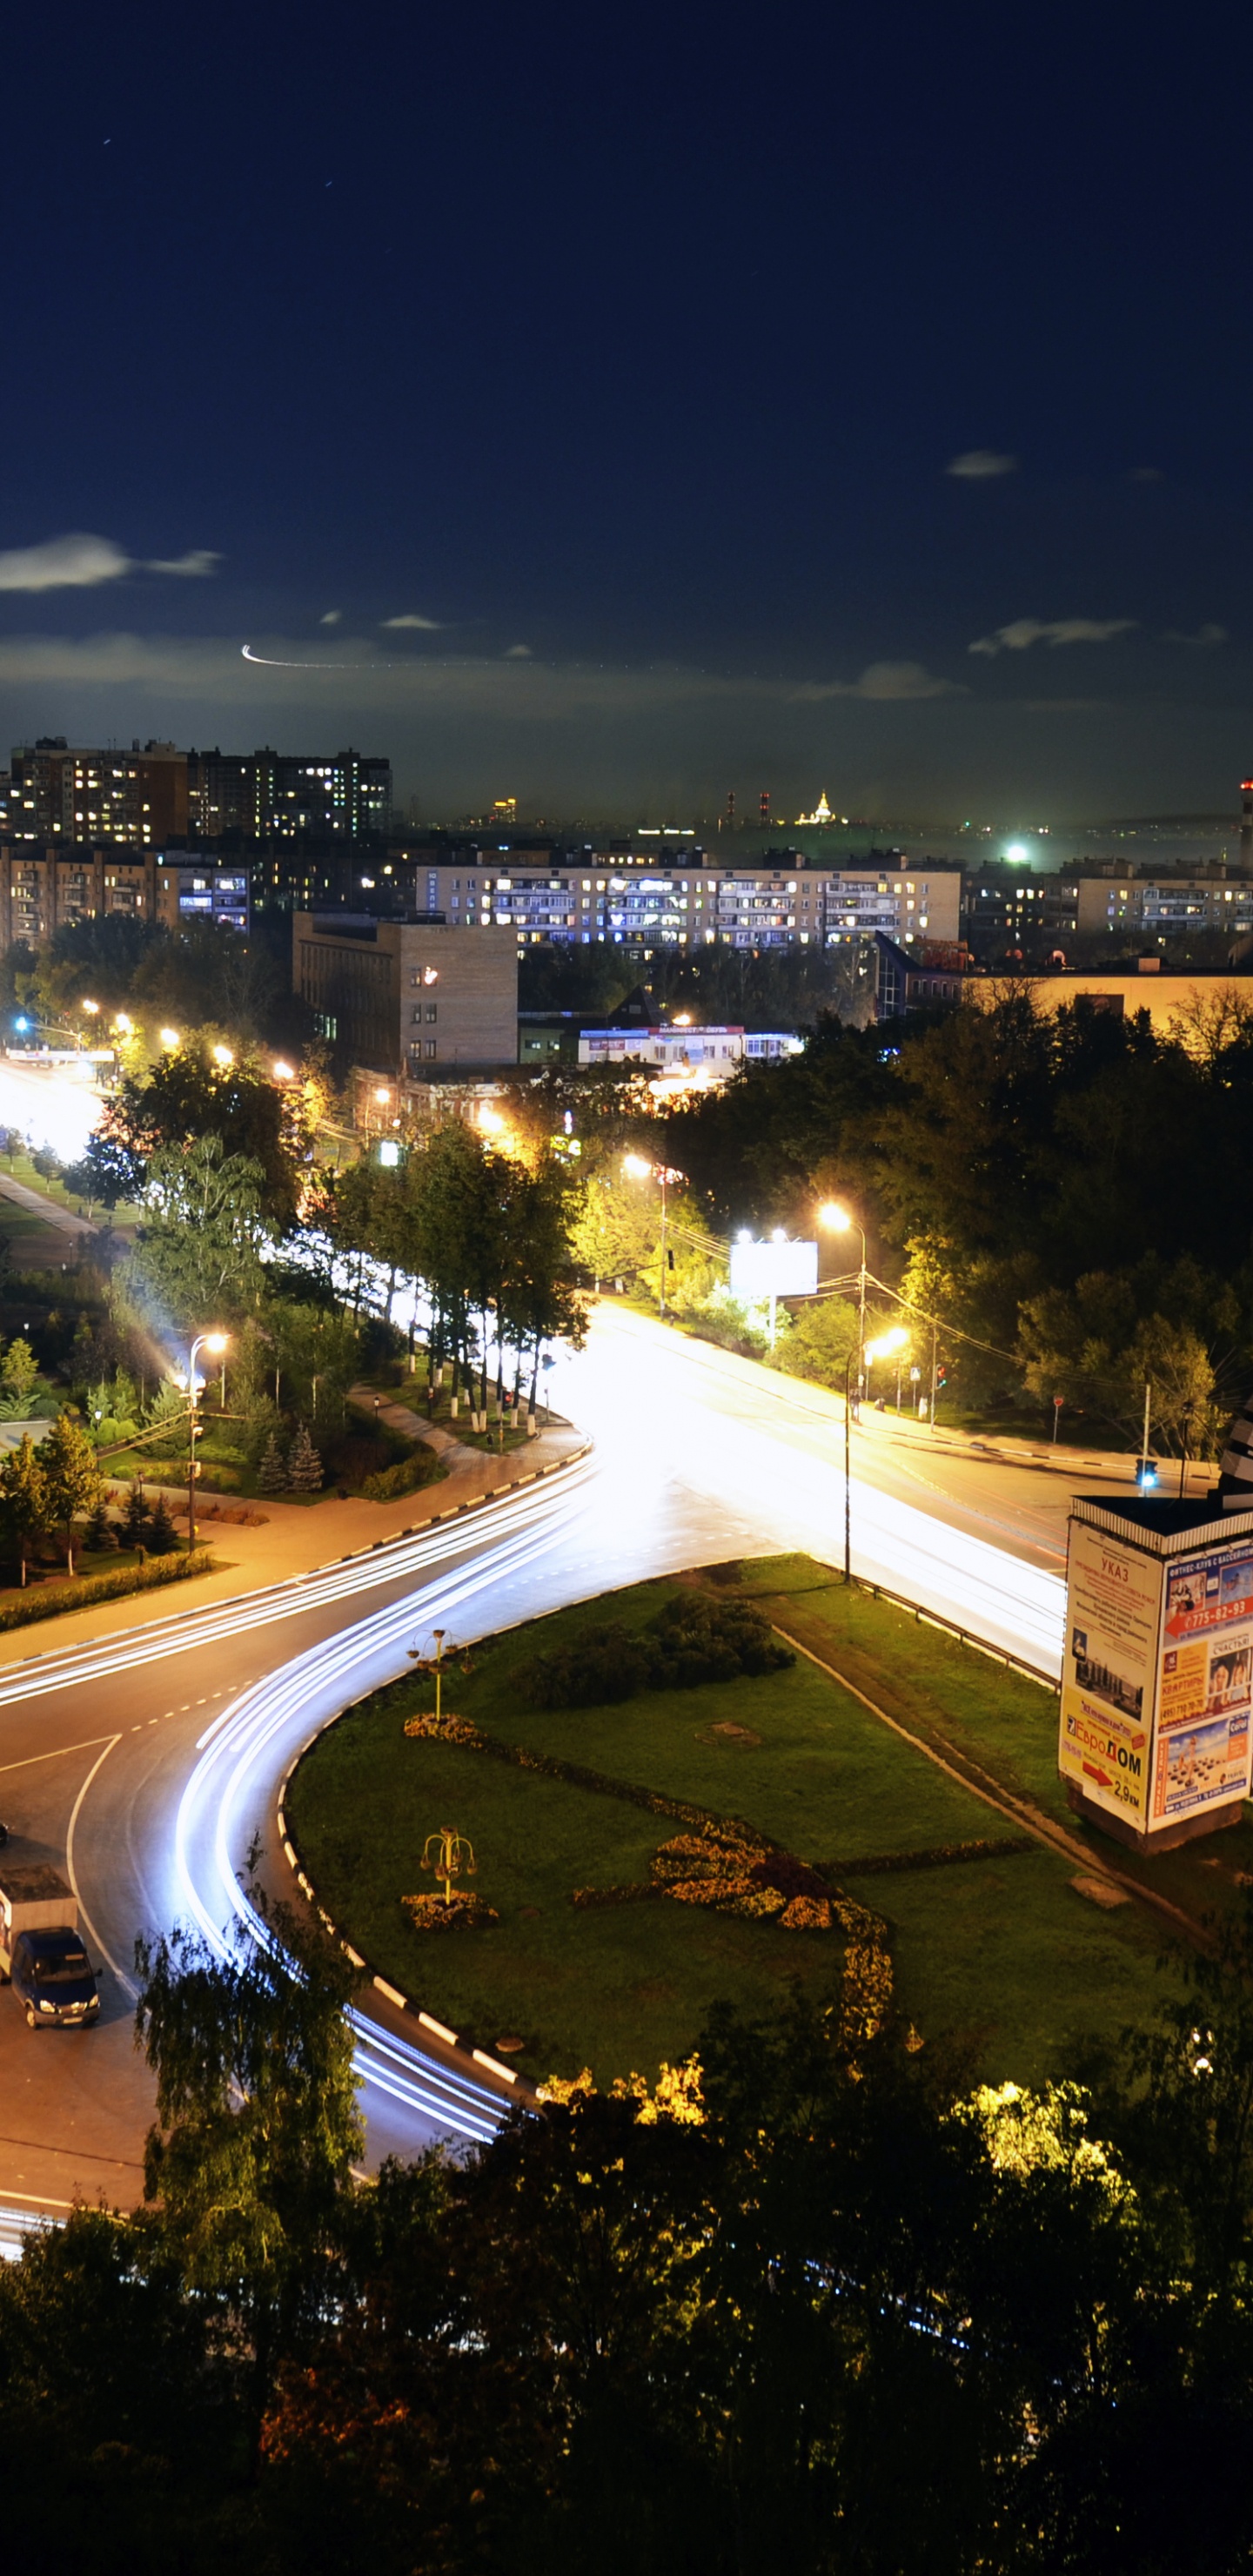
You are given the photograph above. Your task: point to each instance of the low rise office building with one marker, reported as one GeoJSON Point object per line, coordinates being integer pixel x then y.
{"type": "Point", "coordinates": [408, 997]}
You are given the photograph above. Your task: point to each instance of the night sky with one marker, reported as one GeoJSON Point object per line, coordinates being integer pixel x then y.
{"type": "Point", "coordinates": [618, 407]}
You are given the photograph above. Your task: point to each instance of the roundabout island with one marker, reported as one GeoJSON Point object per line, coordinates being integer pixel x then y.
{"type": "Point", "coordinates": [720, 1788]}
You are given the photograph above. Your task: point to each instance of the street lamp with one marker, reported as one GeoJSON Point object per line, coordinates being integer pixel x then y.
{"type": "Point", "coordinates": [885, 1348]}
{"type": "Point", "coordinates": [202, 1342]}
{"type": "Point", "coordinates": [637, 1169]}
{"type": "Point", "coordinates": [837, 1220]}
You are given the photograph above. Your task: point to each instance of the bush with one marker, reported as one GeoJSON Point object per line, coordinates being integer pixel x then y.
{"type": "Point", "coordinates": [408, 1476]}
{"type": "Point", "coordinates": [694, 1638]}
{"type": "Point", "coordinates": [88, 1588]}
{"type": "Point", "coordinates": [700, 1638]}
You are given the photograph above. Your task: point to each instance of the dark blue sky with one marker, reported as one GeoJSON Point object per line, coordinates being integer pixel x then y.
{"type": "Point", "coordinates": [634, 351]}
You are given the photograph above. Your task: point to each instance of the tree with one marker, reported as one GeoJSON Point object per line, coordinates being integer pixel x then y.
{"type": "Point", "coordinates": [257, 2126]}
{"type": "Point", "coordinates": [197, 1257]}
{"type": "Point", "coordinates": [272, 1474]}
{"type": "Point", "coordinates": [19, 1376]}
{"type": "Point", "coordinates": [67, 1457]}
{"type": "Point", "coordinates": [189, 1098]}
{"type": "Point", "coordinates": [137, 1515]}
{"type": "Point", "coordinates": [100, 1533]}
{"type": "Point", "coordinates": [304, 1465]}
{"type": "Point", "coordinates": [25, 1507]}
{"type": "Point", "coordinates": [162, 1535]}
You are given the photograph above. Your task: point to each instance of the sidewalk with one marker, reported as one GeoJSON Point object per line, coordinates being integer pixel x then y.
{"type": "Point", "coordinates": [297, 1539]}
{"type": "Point", "coordinates": [37, 1205]}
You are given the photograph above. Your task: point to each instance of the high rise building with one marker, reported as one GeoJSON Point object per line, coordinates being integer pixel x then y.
{"type": "Point", "coordinates": [269, 795]}
{"type": "Point", "coordinates": [58, 793]}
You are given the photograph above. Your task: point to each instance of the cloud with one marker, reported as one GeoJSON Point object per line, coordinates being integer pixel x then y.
{"type": "Point", "coordinates": [331, 617]}
{"type": "Point", "coordinates": [887, 683]}
{"type": "Point", "coordinates": [431, 625]}
{"type": "Point", "coordinates": [64, 563]}
{"type": "Point", "coordinates": [195, 566]}
{"type": "Point", "coordinates": [981, 465]}
{"type": "Point", "coordinates": [1026, 631]}
{"type": "Point", "coordinates": [518, 653]}
{"type": "Point", "coordinates": [82, 563]}
{"type": "Point", "coordinates": [1204, 640]}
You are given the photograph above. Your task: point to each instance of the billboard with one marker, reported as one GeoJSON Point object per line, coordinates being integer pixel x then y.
{"type": "Point", "coordinates": [1157, 1677]}
{"type": "Point", "coordinates": [761, 1270]}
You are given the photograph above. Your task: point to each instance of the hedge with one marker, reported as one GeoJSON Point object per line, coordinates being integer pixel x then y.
{"type": "Point", "coordinates": [406, 1477]}
{"type": "Point", "coordinates": [85, 1589]}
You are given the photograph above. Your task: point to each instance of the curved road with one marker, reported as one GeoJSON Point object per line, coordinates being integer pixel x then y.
{"type": "Point", "coordinates": [145, 1761]}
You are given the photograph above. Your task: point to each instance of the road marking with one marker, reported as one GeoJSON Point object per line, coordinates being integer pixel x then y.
{"type": "Point", "coordinates": [58, 1749]}
{"type": "Point", "coordinates": [120, 1973]}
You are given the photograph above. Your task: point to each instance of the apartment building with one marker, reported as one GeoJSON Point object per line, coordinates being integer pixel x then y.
{"type": "Point", "coordinates": [42, 889]}
{"type": "Point", "coordinates": [583, 898]}
{"type": "Point", "coordinates": [1004, 905]}
{"type": "Point", "coordinates": [54, 792]}
{"type": "Point", "coordinates": [267, 795]}
{"type": "Point", "coordinates": [408, 997]}
{"type": "Point", "coordinates": [1148, 907]}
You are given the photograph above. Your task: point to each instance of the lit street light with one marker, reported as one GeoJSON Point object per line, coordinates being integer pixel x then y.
{"type": "Point", "coordinates": [637, 1169]}
{"type": "Point", "coordinates": [887, 1346]}
{"type": "Point", "coordinates": [170, 1039]}
{"type": "Point", "coordinates": [837, 1220]}
{"type": "Point", "coordinates": [202, 1342]}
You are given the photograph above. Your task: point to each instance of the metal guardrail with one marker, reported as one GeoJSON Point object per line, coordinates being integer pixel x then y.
{"type": "Point", "coordinates": [964, 1636]}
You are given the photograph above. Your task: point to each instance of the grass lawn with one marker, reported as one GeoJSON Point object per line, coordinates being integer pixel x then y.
{"type": "Point", "coordinates": [998, 1958]}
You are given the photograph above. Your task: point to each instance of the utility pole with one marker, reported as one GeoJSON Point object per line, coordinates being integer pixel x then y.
{"type": "Point", "coordinates": [934, 1335]}
{"type": "Point", "coordinates": [848, 1476]}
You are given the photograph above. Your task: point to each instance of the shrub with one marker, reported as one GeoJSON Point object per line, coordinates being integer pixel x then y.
{"type": "Point", "coordinates": [700, 1638]}
{"type": "Point", "coordinates": [408, 1476]}
{"type": "Point", "coordinates": [694, 1638]}
{"type": "Point", "coordinates": [607, 1664]}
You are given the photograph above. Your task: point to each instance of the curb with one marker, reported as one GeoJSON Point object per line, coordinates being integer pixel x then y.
{"type": "Point", "coordinates": [306, 1573]}
{"type": "Point", "coordinates": [475, 2060]}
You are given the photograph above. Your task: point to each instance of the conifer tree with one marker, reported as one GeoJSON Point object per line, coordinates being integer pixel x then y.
{"type": "Point", "coordinates": [272, 1472]}
{"type": "Point", "coordinates": [304, 1464]}
{"type": "Point", "coordinates": [100, 1533]}
{"type": "Point", "coordinates": [162, 1535]}
{"type": "Point", "coordinates": [137, 1514]}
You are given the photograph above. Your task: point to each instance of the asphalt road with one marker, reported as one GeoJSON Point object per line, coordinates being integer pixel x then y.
{"type": "Point", "coordinates": [144, 1762]}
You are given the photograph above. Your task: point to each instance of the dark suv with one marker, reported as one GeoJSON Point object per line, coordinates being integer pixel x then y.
{"type": "Point", "coordinates": [54, 1978]}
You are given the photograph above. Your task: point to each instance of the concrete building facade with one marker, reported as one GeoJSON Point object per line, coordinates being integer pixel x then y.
{"type": "Point", "coordinates": [42, 889]}
{"type": "Point", "coordinates": [134, 799]}
{"type": "Point", "coordinates": [408, 997]}
{"type": "Point", "coordinates": [583, 899]}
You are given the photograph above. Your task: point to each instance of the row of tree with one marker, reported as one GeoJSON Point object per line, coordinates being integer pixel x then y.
{"type": "Point", "coordinates": [1057, 1185]}
{"type": "Point", "coordinates": [813, 2293]}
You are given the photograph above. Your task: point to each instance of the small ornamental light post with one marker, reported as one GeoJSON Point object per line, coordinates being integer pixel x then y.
{"type": "Point", "coordinates": [435, 1665]}
{"type": "Point", "coordinates": [202, 1342]}
{"type": "Point", "coordinates": [448, 1853]}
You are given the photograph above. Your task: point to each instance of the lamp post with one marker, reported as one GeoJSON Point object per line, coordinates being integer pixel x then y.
{"type": "Point", "coordinates": [885, 1348]}
{"type": "Point", "coordinates": [837, 1220]}
{"type": "Point", "coordinates": [848, 1476]}
{"type": "Point", "coordinates": [202, 1342]}
{"type": "Point", "coordinates": [637, 1169]}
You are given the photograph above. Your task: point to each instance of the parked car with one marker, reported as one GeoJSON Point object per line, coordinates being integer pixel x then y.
{"type": "Point", "coordinates": [54, 1978]}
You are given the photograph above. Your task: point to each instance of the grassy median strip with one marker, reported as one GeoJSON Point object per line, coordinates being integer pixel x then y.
{"type": "Point", "coordinates": [998, 1958]}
